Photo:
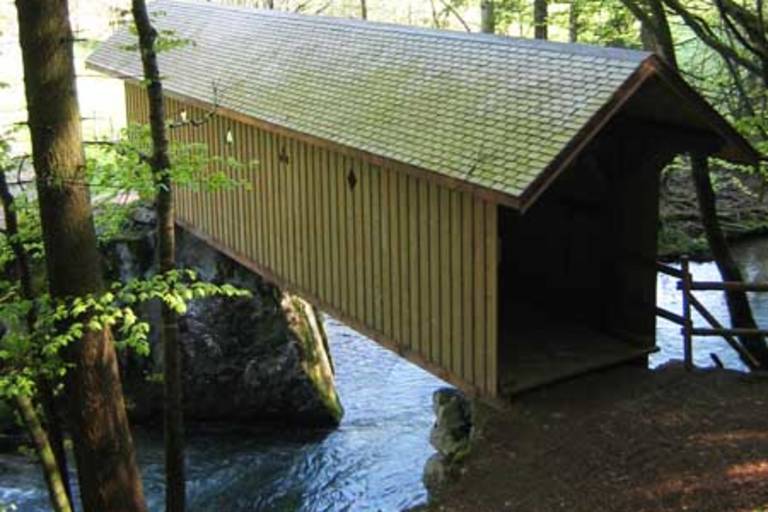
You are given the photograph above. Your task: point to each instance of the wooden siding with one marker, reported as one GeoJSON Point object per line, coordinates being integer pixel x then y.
{"type": "Point", "coordinates": [405, 260]}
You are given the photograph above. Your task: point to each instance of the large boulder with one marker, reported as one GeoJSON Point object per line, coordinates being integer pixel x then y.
{"type": "Point", "coordinates": [261, 358]}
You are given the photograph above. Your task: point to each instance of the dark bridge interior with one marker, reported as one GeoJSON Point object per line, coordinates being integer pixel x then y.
{"type": "Point", "coordinates": [577, 282]}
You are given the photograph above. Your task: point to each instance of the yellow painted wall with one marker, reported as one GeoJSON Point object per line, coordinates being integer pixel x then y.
{"type": "Point", "coordinates": [407, 261]}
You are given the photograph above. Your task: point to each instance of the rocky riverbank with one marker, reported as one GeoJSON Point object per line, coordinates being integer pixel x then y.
{"type": "Point", "coordinates": [624, 439]}
{"type": "Point", "coordinates": [742, 210]}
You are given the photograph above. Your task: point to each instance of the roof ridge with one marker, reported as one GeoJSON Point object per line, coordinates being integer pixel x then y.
{"type": "Point", "coordinates": [471, 37]}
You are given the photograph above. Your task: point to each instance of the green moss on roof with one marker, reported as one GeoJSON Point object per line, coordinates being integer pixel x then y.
{"type": "Point", "coordinates": [493, 111]}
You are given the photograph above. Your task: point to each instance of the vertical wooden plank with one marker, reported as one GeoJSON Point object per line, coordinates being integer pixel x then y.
{"type": "Point", "coordinates": [434, 273]}
{"type": "Point", "coordinates": [446, 242]}
{"type": "Point", "coordinates": [246, 227]}
{"type": "Point", "coordinates": [278, 205]}
{"type": "Point", "coordinates": [263, 182]}
{"type": "Point", "coordinates": [327, 228]}
{"type": "Point", "coordinates": [282, 202]}
{"type": "Point", "coordinates": [376, 247]}
{"type": "Point", "coordinates": [357, 241]}
{"type": "Point", "coordinates": [480, 298]}
{"type": "Point", "coordinates": [364, 232]}
{"type": "Point", "coordinates": [209, 197]}
{"type": "Point", "coordinates": [403, 257]}
{"type": "Point", "coordinates": [227, 212]}
{"type": "Point", "coordinates": [334, 212]}
{"type": "Point", "coordinates": [424, 256]}
{"type": "Point", "coordinates": [239, 219]}
{"type": "Point", "coordinates": [289, 189]}
{"type": "Point", "coordinates": [296, 186]}
{"type": "Point", "coordinates": [272, 204]}
{"type": "Point", "coordinates": [456, 285]}
{"type": "Point", "coordinates": [221, 213]}
{"type": "Point", "coordinates": [491, 254]}
{"type": "Point", "coordinates": [308, 230]}
{"type": "Point", "coordinates": [216, 217]}
{"type": "Point", "coordinates": [387, 242]}
{"type": "Point", "coordinates": [312, 215]}
{"type": "Point", "coordinates": [347, 213]}
{"type": "Point", "coordinates": [253, 195]}
{"type": "Point", "coordinates": [302, 226]}
{"type": "Point", "coordinates": [249, 193]}
{"type": "Point", "coordinates": [467, 284]}
{"type": "Point", "coordinates": [414, 272]}
{"type": "Point", "coordinates": [269, 205]}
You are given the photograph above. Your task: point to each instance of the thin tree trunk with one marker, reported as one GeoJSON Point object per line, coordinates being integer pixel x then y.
{"type": "Point", "coordinates": [54, 425]}
{"type": "Point", "coordinates": [487, 17]}
{"type": "Point", "coordinates": [161, 164]}
{"type": "Point", "coordinates": [107, 470]}
{"type": "Point", "coordinates": [56, 491]}
{"type": "Point", "coordinates": [738, 303]}
{"type": "Point", "coordinates": [364, 9]}
{"type": "Point", "coordinates": [54, 437]}
{"type": "Point", "coordinates": [540, 19]}
{"type": "Point", "coordinates": [573, 21]}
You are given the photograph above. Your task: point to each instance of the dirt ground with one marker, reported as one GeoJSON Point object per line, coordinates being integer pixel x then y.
{"type": "Point", "coordinates": [627, 439]}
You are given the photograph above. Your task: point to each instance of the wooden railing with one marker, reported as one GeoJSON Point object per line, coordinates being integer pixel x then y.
{"type": "Point", "coordinates": [687, 286]}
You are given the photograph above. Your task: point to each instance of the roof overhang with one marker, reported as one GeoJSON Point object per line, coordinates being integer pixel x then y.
{"type": "Point", "coordinates": [681, 109]}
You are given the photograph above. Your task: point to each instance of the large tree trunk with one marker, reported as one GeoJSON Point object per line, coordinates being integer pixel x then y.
{"type": "Point", "coordinates": [487, 17]}
{"type": "Point", "coordinates": [540, 19]}
{"type": "Point", "coordinates": [49, 445]}
{"type": "Point", "coordinates": [738, 303]}
{"type": "Point", "coordinates": [161, 164]}
{"type": "Point", "coordinates": [107, 470]}
{"type": "Point", "coordinates": [364, 9]}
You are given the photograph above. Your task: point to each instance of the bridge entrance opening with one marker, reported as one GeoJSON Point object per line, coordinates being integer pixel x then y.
{"type": "Point", "coordinates": [572, 295]}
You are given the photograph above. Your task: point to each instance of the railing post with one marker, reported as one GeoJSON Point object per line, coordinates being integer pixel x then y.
{"type": "Point", "coordinates": [685, 283]}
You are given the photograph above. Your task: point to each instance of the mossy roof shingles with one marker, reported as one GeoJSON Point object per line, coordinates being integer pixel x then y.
{"type": "Point", "coordinates": [489, 110]}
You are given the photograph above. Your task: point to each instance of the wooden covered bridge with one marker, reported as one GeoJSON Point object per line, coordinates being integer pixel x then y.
{"type": "Point", "coordinates": [485, 206]}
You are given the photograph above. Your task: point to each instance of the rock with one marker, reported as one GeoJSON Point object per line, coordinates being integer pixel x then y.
{"type": "Point", "coordinates": [435, 473]}
{"type": "Point", "coordinates": [453, 425]}
{"type": "Point", "coordinates": [260, 358]}
{"type": "Point", "coordinates": [450, 436]}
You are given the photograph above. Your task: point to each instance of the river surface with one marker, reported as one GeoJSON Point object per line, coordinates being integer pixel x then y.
{"type": "Point", "coordinates": [374, 461]}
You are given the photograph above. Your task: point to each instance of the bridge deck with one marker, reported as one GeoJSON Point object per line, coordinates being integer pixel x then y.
{"type": "Point", "coordinates": [542, 355]}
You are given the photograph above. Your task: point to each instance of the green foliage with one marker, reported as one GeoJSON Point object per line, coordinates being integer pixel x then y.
{"type": "Point", "coordinates": [119, 172]}
{"type": "Point", "coordinates": [28, 355]}
{"type": "Point", "coordinates": [38, 331]}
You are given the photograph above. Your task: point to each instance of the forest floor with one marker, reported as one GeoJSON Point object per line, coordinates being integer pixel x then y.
{"type": "Point", "coordinates": [626, 439]}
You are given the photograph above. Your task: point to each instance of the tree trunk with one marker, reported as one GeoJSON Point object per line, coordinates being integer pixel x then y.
{"type": "Point", "coordinates": [56, 491]}
{"type": "Point", "coordinates": [487, 17]}
{"type": "Point", "coordinates": [54, 439]}
{"type": "Point", "coordinates": [540, 19]}
{"type": "Point", "coordinates": [573, 21]}
{"type": "Point", "coordinates": [738, 304]}
{"type": "Point", "coordinates": [161, 165]}
{"type": "Point", "coordinates": [364, 9]}
{"type": "Point", "coordinates": [657, 35]}
{"type": "Point", "coordinates": [107, 470]}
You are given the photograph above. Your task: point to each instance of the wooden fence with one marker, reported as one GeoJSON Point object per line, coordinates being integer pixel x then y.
{"type": "Point", "coordinates": [690, 303]}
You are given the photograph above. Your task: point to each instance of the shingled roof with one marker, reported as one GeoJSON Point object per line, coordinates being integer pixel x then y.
{"type": "Point", "coordinates": [492, 111]}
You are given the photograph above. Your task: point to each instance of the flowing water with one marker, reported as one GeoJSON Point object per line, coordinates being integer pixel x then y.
{"type": "Point", "coordinates": [375, 459]}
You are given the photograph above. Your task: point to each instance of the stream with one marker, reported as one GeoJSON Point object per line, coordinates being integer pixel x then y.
{"type": "Point", "coordinates": [374, 460]}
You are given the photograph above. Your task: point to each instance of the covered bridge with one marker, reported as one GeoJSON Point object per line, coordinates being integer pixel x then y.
{"type": "Point", "coordinates": [486, 206]}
